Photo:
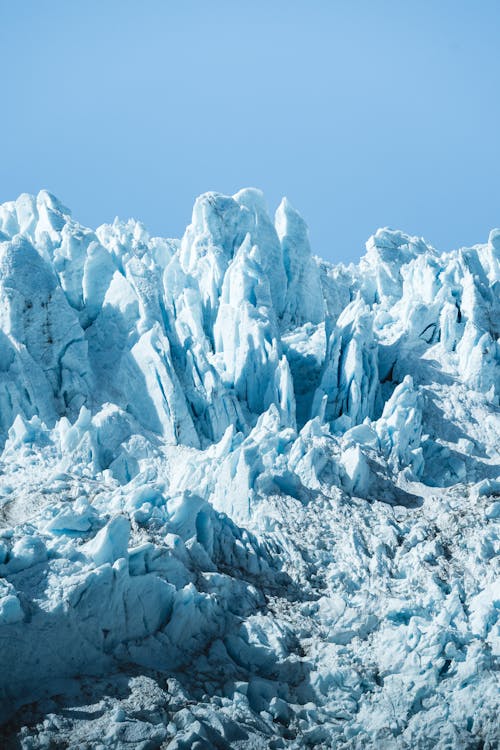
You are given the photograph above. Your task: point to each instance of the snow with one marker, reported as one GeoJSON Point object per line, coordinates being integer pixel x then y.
{"type": "Point", "coordinates": [247, 498]}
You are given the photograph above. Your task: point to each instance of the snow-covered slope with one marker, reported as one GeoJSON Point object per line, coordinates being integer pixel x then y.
{"type": "Point", "coordinates": [247, 498]}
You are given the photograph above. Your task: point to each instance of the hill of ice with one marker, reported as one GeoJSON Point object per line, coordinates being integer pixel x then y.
{"type": "Point", "coordinates": [248, 499]}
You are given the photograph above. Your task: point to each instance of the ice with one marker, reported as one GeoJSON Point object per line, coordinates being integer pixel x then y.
{"type": "Point", "coordinates": [247, 498]}
{"type": "Point", "coordinates": [110, 543]}
{"type": "Point", "coordinates": [400, 428]}
{"type": "Point", "coordinates": [350, 379]}
{"type": "Point", "coordinates": [10, 606]}
{"type": "Point", "coordinates": [302, 303]}
{"type": "Point", "coordinates": [356, 470]}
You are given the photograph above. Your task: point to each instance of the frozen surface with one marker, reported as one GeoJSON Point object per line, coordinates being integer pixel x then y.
{"type": "Point", "coordinates": [247, 499]}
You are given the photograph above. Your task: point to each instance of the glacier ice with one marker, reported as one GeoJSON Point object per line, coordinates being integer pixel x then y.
{"type": "Point", "coordinates": [247, 498]}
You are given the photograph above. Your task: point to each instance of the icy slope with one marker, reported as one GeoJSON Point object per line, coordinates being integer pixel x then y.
{"type": "Point", "coordinates": [247, 499]}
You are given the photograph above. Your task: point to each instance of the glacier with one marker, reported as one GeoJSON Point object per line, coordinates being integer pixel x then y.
{"type": "Point", "coordinates": [248, 499]}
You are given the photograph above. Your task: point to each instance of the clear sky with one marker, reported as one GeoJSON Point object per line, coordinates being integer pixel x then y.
{"type": "Point", "coordinates": [364, 113]}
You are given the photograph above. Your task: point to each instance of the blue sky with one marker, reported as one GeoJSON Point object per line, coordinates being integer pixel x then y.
{"type": "Point", "coordinates": [364, 114]}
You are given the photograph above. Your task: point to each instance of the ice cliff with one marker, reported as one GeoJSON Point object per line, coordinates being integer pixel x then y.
{"type": "Point", "coordinates": [247, 498]}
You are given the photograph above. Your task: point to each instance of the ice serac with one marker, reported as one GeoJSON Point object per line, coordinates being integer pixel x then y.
{"type": "Point", "coordinates": [45, 366]}
{"type": "Point", "coordinates": [388, 252]}
{"type": "Point", "coordinates": [247, 498]}
{"type": "Point", "coordinates": [263, 234]}
{"type": "Point", "coordinates": [348, 391]}
{"type": "Point", "coordinates": [218, 227]}
{"type": "Point", "coordinates": [246, 336]}
{"type": "Point", "coordinates": [303, 304]}
{"type": "Point", "coordinates": [400, 428]}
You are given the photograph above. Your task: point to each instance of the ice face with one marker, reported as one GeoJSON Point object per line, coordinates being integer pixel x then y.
{"type": "Point", "coordinates": [198, 329]}
{"type": "Point", "coordinates": [269, 479]}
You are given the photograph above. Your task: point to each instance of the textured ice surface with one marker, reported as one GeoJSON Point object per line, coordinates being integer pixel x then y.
{"type": "Point", "coordinates": [247, 499]}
